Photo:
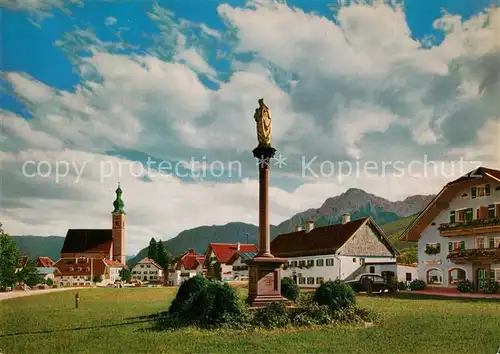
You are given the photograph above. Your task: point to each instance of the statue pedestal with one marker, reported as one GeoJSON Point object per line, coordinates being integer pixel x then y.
{"type": "Point", "coordinates": [264, 285]}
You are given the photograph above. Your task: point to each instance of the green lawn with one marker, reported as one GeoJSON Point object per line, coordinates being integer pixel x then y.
{"type": "Point", "coordinates": [104, 324]}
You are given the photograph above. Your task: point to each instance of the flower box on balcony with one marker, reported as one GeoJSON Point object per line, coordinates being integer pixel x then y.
{"type": "Point", "coordinates": [469, 223]}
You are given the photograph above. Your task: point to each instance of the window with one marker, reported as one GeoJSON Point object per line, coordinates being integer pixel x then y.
{"type": "Point", "coordinates": [302, 263]}
{"type": "Point", "coordinates": [456, 245]}
{"type": "Point", "coordinates": [461, 214]}
{"type": "Point", "coordinates": [480, 242]}
{"type": "Point", "coordinates": [310, 280]}
{"type": "Point", "coordinates": [497, 274]}
{"type": "Point", "coordinates": [319, 263]}
{"type": "Point", "coordinates": [434, 276]}
{"type": "Point", "coordinates": [329, 262]}
{"type": "Point", "coordinates": [310, 263]}
{"type": "Point", "coordinates": [294, 263]}
{"type": "Point", "coordinates": [354, 260]}
{"type": "Point", "coordinates": [491, 210]}
{"type": "Point", "coordinates": [372, 269]}
{"type": "Point", "coordinates": [148, 266]}
{"type": "Point", "coordinates": [494, 242]}
{"type": "Point", "coordinates": [319, 280]}
{"type": "Point", "coordinates": [142, 266]}
{"type": "Point", "coordinates": [456, 275]}
{"type": "Point", "coordinates": [480, 191]}
{"type": "Point", "coordinates": [408, 276]}
{"type": "Point", "coordinates": [302, 280]}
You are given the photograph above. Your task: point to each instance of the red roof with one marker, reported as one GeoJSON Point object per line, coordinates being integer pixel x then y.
{"type": "Point", "coordinates": [85, 266]}
{"type": "Point", "coordinates": [189, 260]}
{"type": "Point", "coordinates": [44, 262]}
{"type": "Point", "coordinates": [147, 260]}
{"type": "Point", "coordinates": [225, 251]}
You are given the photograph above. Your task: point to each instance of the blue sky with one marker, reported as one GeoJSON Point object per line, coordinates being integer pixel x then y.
{"type": "Point", "coordinates": [113, 82]}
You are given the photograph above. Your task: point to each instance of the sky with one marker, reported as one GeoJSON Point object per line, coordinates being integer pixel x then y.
{"type": "Point", "coordinates": [394, 98]}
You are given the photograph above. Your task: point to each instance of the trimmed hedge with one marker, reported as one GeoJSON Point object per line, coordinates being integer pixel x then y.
{"type": "Point", "coordinates": [417, 284]}
{"type": "Point", "coordinates": [335, 294]}
{"type": "Point", "coordinates": [290, 289]}
{"type": "Point", "coordinates": [465, 286]}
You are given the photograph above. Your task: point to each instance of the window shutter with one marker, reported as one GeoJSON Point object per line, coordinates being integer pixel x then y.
{"type": "Point", "coordinates": [492, 243]}
{"type": "Point", "coordinates": [462, 245]}
{"type": "Point", "coordinates": [468, 214]}
{"type": "Point", "coordinates": [473, 192]}
{"type": "Point", "coordinates": [426, 246]}
{"type": "Point", "coordinates": [438, 246]}
{"type": "Point", "coordinates": [452, 216]}
{"type": "Point", "coordinates": [487, 189]}
{"type": "Point", "coordinates": [491, 210]}
{"type": "Point", "coordinates": [450, 246]}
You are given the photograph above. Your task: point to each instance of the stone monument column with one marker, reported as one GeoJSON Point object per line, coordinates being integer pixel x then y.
{"type": "Point", "coordinates": [264, 276]}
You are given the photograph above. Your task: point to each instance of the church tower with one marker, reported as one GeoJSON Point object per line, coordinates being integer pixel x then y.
{"type": "Point", "coordinates": [118, 230]}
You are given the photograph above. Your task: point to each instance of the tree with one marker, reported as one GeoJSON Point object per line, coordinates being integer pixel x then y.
{"type": "Point", "coordinates": [29, 274]}
{"type": "Point", "coordinates": [217, 271]}
{"type": "Point", "coordinates": [9, 260]}
{"type": "Point", "coordinates": [163, 256]}
{"type": "Point", "coordinates": [97, 278]}
{"type": "Point", "coordinates": [125, 274]}
{"type": "Point", "coordinates": [153, 249]}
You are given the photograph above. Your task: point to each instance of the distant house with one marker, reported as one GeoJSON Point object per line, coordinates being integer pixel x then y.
{"type": "Point", "coordinates": [225, 255]}
{"type": "Point", "coordinates": [44, 262]}
{"type": "Point", "coordinates": [458, 233]}
{"type": "Point", "coordinates": [239, 266]}
{"type": "Point", "coordinates": [47, 273]}
{"type": "Point", "coordinates": [342, 251]}
{"type": "Point", "coordinates": [147, 270]}
{"type": "Point", "coordinates": [186, 266]}
{"type": "Point", "coordinates": [407, 272]}
{"type": "Point", "coordinates": [81, 271]}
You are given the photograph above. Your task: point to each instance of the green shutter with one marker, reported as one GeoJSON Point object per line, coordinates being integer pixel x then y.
{"type": "Point", "coordinates": [450, 246]}
{"type": "Point", "coordinates": [492, 243]}
{"type": "Point", "coordinates": [452, 216]}
{"type": "Point", "coordinates": [438, 246]}
{"type": "Point", "coordinates": [487, 189]}
{"type": "Point", "coordinates": [462, 245]}
{"type": "Point", "coordinates": [491, 210]}
{"type": "Point", "coordinates": [469, 214]}
{"type": "Point", "coordinates": [473, 192]}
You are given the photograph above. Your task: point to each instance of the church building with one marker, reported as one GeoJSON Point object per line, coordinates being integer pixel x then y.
{"type": "Point", "coordinates": [89, 254]}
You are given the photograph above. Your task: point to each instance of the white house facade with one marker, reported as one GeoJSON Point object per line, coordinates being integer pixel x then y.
{"type": "Point", "coordinates": [407, 272]}
{"type": "Point", "coordinates": [147, 270]}
{"type": "Point", "coordinates": [341, 251]}
{"type": "Point", "coordinates": [82, 271]}
{"type": "Point", "coordinates": [458, 233]}
{"type": "Point", "coordinates": [187, 265]}
{"type": "Point", "coordinates": [229, 260]}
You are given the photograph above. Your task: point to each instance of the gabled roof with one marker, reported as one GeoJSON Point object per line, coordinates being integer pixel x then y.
{"type": "Point", "coordinates": [115, 264]}
{"type": "Point", "coordinates": [23, 261]}
{"type": "Point", "coordinates": [47, 270]}
{"type": "Point", "coordinates": [147, 260]}
{"type": "Point", "coordinates": [243, 255]}
{"type": "Point", "coordinates": [87, 240]}
{"type": "Point", "coordinates": [189, 260]}
{"type": "Point", "coordinates": [322, 240]}
{"type": "Point", "coordinates": [44, 262]}
{"type": "Point", "coordinates": [442, 199]}
{"type": "Point", "coordinates": [224, 251]}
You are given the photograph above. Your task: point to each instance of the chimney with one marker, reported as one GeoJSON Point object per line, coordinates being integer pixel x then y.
{"type": "Point", "coordinates": [238, 246]}
{"type": "Point", "coordinates": [346, 218]}
{"type": "Point", "coordinates": [298, 228]}
{"type": "Point", "coordinates": [309, 225]}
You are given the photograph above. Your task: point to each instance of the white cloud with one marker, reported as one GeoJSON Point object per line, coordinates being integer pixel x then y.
{"type": "Point", "coordinates": [362, 88]}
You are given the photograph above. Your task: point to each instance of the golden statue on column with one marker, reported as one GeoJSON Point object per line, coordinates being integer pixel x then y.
{"type": "Point", "coordinates": [262, 117]}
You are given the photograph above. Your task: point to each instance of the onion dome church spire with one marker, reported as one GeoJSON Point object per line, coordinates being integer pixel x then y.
{"type": "Point", "coordinates": [118, 203]}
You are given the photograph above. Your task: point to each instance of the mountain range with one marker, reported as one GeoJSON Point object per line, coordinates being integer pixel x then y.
{"type": "Point", "coordinates": [394, 217]}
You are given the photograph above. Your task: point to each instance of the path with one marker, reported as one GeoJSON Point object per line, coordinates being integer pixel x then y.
{"type": "Point", "coordinates": [14, 294]}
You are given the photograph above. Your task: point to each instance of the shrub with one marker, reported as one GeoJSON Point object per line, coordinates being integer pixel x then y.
{"type": "Point", "coordinates": [289, 289]}
{"type": "Point", "coordinates": [189, 288]}
{"type": "Point", "coordinates": [97, 279]}
{"type": "Point", "coordinates": [417, 284]}
{"type": "Point", "coordinates": [490, 286]}
{"type": "Point", "coordinates": [206, 304]}
{"type": "Point", "coordinates": [274, 315]}
{"type": "Point", "coordinates": [310, 313]}
{"type": "Point", "coordinates": [335, 294]}
{"type": "Point", "coordinates": [465, 286]}
{"type": "Point", "coordinates": [401, 286]}
{"type": "Point", "coordinates": [49, 282]}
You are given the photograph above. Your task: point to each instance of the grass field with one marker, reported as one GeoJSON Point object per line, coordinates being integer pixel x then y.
{"type": "Point", "coordinates": [106, 322]}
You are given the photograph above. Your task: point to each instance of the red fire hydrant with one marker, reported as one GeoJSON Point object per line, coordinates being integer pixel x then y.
{"type": "Point", "coordinates": [77, 300]}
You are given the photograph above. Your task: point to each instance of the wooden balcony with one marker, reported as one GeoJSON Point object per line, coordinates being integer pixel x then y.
{"type": "Point", "coordinates": [470, 227]}
{"type": "Point", "coordinates": [489, 255]}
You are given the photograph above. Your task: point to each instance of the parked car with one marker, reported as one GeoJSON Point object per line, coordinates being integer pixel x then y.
{"type": "Point", "coordinates": [378, 283]}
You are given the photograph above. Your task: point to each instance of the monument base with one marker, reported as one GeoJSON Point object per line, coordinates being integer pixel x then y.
{"type": "Point", "coordinates": [264, 281]}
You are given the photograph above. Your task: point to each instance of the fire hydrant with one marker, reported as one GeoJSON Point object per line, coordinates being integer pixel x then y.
{"type": "Point", "coordinates": [77, 300]}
